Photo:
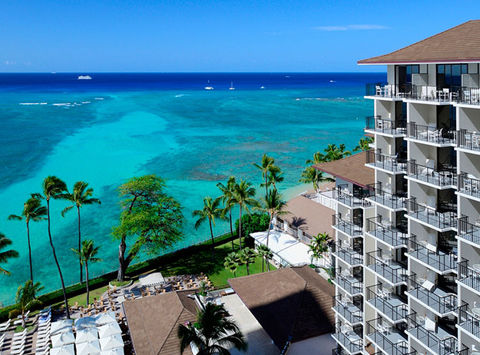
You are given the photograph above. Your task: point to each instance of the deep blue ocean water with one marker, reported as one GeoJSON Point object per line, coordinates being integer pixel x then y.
{"type": "Point", "coordinates": [116, 126]}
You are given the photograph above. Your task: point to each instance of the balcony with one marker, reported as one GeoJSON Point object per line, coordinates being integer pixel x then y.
{"type": "Point", "coordinates": [348, 339]}
{"type": "Point", "coordinates": [445, 178]}
{"type": "Point", "coordinates": [468, 140]}
{"type": "Point", "coordinates": [386, 233]}
{"type": "Point", "coordinates": [389, 163]}
{"type": "Point", "coordinates": [390, 305]}
{"type": "Point", "coordinates": [429, 255]}
{"type": "Point", "coordinates": [388, 338]}
{"type": "Point", "coordinates": [349, 228]}
{"type": "Point", "coordinates": [351, 199]}
{"type": "Point", "coordinates": [349, 311]}
{"type": "Point", "coordinates": [469, 320]}
{"type": "Point", "coordinates": [386, 268]}
{"type": "Point", "coordinates": [429, 295]}
{"type": "Point", "coordinates": [349, 283]}
{"type": "Point", "coordinates": [437, 341]}
{"type": "Point", "coordinates": [469, 275]}
{"type": "Point", "coordinates": [348, 254]}
{"type": "Point", "coordinates": [469, 185]}
{"type": "Point", "coordinates": [386, 198]}
{"type": "Point", "coordinates": [433, 218]}
{"type": "Point", "coordinates": [377, 124]}
{"type": "Point", "coordinates": [430, 134]}
{"type": "Point", "coordinates": [469, 232]}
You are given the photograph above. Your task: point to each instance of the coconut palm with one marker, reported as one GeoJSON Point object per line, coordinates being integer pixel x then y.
{"type": "Point", "coordinates": [363, 144]}
{"type": "Point", "coordinates": [213, 332]}
{"type": "Point", "coordinates": [266, 254]}
{"type": "Point", "coordinates": [54, 188]}
{"type": "Point", "coordinates": [228, 201]}
{"type": "Point", "coordinates": [26, 297]}
{"type": "Point", "coordinates": [319, 245]}
{"type": "Point", "coordinates": [7, 254]}
{"type": "Point", "coordinates": [274, 206]}
{"type": "Point", "coordinates": [332, 152]}
{"type": "Point", "coordinates": [232, 263]}
{"type": "Point", "coordinates": [275, 176]}
{"type": "Point", "coordinates": [87, 254]}
{"type": "Point", "coordinates": [247, 256]}
{"type": "Point", "coordinates": [80, 196]}
{"type": "Point", "coordinates": [243, 196]}
{"type": "Point", "coordinates": [210, 211]}
{"type": "Point", "coordinates": [317, 159]}
{"type": "Point", "coordinates": [313, 176]}
{"type": "Point", "coordinates": [32, 211]}
{"type": "Point", "coordinates": [264, 167]}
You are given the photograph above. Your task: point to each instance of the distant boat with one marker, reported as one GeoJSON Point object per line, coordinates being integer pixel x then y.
{"type": "Point", "coordinates": [208, 87]}
{"type": "Point", "coordinates": [84, 77]}
{"type": "Point", "coordinates": [262, 87]}
{"type": "Point", "coordinates": [231, 86]}
{"type": "Point", "coordinates": [332, 81]}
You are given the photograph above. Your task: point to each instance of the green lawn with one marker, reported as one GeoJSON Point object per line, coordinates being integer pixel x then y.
{"type": "Point", "coordinates": [82, 299]}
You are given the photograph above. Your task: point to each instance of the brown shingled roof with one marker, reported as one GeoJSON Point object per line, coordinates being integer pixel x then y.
{"type": "Point", "coordinates": [457, 44]}
{"type": "Point", "coordinates": [351, 168]}
{"type": "Point", "coordinates": [153, 322]}
{"type": "Point", "coordinates": [289, 303]}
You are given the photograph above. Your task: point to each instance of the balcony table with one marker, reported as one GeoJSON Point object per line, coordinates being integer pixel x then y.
{"type": "Point", "coordinates": [476, 312]}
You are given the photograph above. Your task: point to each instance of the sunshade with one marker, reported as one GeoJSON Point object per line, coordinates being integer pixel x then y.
{"type": "Point", "coordinates": [152, 279]}
{"type": "Point", "coordinates": [113, 342]}
{"type": "Point", "coordinates": [105, 318]}
{"type": "Point", "coordinates": [63, 350]}
{"type": "Point", "coordinates": [63, 338]}
{"type": "Point", "coordinates": [88, 348]}
{"type": "Point", "coordinates": [61, 326]}
{"type": "Point", "coordinates": [85, 322]}
{"type": "Point", "coordinates": [86, 335]}
{"type": "Point", "coordinates": [108, 330]}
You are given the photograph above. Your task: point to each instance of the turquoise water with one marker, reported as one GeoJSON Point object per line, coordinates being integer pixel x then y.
{"type": "Point", "coordinates": [192, 138]}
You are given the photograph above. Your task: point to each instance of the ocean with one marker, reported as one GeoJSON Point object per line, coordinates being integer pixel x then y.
{"type": "Point", "coordinates": [116, 126]}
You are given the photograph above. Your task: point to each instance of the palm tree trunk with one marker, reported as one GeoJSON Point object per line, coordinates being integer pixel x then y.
{"type": "Point", "coordinates": [240, 228]}
{"type": "Point", "coordinates": [213, 239]}
{"type": "Point", "coordinates": [86, 280]}
{"type": "Point", "coordinates": [248, 269]}
{"type": "Point", "coordinates": [23, 318]}
{"type": "Point", "coordinates": [121, 260]}
{"type": "Point", "coordinates": [79, 245]}
{"type": "Point", "coordinates": [67, 310]}
{"type": "Point", "coordinates": [263, 264]}
{"type": "Point", "coordinates": [268, 264]}
{"type": "Point", "coordinates": [231, 229]}
{"type": "Point", "coordinates": [266, 187]}
{"type": "Point", "coordinates": [269, 224]}
{"type": "Point", "coordinates": [29, 251]}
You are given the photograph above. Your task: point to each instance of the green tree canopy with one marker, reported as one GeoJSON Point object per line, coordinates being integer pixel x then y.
{"type": "Point", "coordinates": [7, 254]}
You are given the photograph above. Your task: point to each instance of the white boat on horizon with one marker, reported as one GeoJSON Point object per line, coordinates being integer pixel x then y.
{"type": "Point", "coordinates": [208, 87]}
{"type": "Point", "coordinates": [84, 77]}
{"type": "Point", "coordinates": [231, 86]}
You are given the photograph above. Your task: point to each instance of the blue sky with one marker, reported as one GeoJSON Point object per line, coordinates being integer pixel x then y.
{"type": "Point", "coordinates": [204, 35]}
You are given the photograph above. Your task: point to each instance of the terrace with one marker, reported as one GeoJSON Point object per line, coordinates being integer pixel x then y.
{"type": "Point", "coordinates": [469, 232]}
{"type": "Point", "coordinates": [350, 340]}
{"type": "Point", "coordinates": [391, 340]}
{"type": "Point", "coordinates": [468, 140]}
{"type": "Point", "coordinates": [469, 185]}
{"type": "Point", "coordinates": [351, 199]}
{"type": "Point", "coordinates": [385, 267]}
{"type": "Point", "coordinates": [430, 295]}
{"type": "Point", "coordinates": [386, 198]}
{"type": "Point", "coordinates": [469, 319]}
{"type": "Point", "coordinates": [386, 233]}
{"type": "Point", "coordinates": [349, 228]}
{"type": "Point", "coordinates": [443, 218]}
{"type": "Point", "coordinates": [348, 310]}
{"type": "Point", "coordinates": [430, 134]}
{"type": "Point", "coordinates": [429, 255]}
{"type": "Point", "coordinates": [445, 177]}
{"type": "Point", "coordinates": [377, 124]}
{"type": "Point", "coordinates": [469, 275]}
{"type": "Point", "coordinates": [389, 163]}
{"type": "Point", "coordinates": [387, 303]}
{"type": "Point", "coordinates": [351, 284]}
{"type": "Point", "coordinates": [348, 254]}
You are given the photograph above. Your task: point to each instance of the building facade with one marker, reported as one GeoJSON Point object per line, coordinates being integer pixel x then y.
{"type": "Point", "coordinates": [408, 256]}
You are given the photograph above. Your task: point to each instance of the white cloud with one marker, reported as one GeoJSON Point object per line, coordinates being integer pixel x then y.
{"type": "Point", "coordinates": [350, 28]}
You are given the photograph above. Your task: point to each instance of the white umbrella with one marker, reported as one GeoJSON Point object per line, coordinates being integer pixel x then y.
{"type": "Point", "coordinates": [113, 342]}
{"type": "Point", "coordinates": [63, 350]}
{"type": "Point", "coordinates": [86, 335]}
{"type": "Point", "coordinates": [90, 347]}
{"type": "Point", "coordinates": [108, 330]}
{"type": "Point", "coordinates": [85, 322]}
{"type": "Point", "coordinates": [155, 278]}
{"type": "Point", "coordinates": [63, 339]}
{"type": "Point", "coordinates": [105, 318]}
{"type": "Point", "coordinates": [116, 351]}
{"type": "Point", "coordinates": [61, 326]}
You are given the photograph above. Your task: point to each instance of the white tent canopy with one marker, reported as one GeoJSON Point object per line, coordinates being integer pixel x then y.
{"type": "Point", "coordinates": [61, 326]}
{"type": "Point", "coordinates": [86, 335]}
{"type": "Point", "coordinates": [113, 342]}
{"type": "Point", "coordinates": [91, 347]}
{"type": "Point", "coordinates": [63, 338]}
{"type": "Point", "coordinates": [85, 322]}
{"type": "Point", "coordinates": [286, 249]}
{"type": "Point", "coordinates": [117, 351]}
{"type": "Point", "coordinates": [63, 350]}
{"type": "Point", "coordinates": [108, 330]}
{"type": "Point", "coordinates": [105, 318]}
{"type": "Point", "coordinates": [155, 278]}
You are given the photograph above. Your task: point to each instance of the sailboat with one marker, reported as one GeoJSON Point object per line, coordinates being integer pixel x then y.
{"type": "Point", "coordinates": [231, 86]}
{"type": "Point", "coordinates": [208, 87]}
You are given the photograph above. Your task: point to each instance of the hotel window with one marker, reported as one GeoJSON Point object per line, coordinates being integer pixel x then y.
{"type": "Point", "coordinates": [405, 72]}
{"type": "Point", "coordinates": [450, 75]}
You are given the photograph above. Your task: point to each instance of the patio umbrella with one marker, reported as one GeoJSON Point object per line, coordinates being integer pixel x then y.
{"type": "Point", "coordinates": [108, 330]}
{"type": "Point", "coordinates": [62, 339]}
{"type": "Point", "coordinates": [105, 318]}
{"type": "Point", "coordinates": [63, 350]}
{"type": "Point", "coordinates": [86, 335]}
{"type": "Point", "coordinates": [88, 348]}
{"type": "Point", "coordinates": [155, 278]}
{"type": "Point", "coordinates": [116, 351]}
{"type": "Point", "coordinates": [113, 342]}
{"type": "Point", "coordinates": [85, 322]}
{"type": "Point", "coordinates": [61, 326]}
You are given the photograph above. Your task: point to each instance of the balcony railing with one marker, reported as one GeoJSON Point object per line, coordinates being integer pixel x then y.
{"type": "Point", "coordinates": [348, 282]}
{"type": "Point", "coordinates": [349, 339]}
{"type": "Point", "coordinates": [427, 253]}
{"type": "Point", "coordinates": [469, 275]}
{"type": "Point", "coordinates": [442, 302]}
{"type": "Point", "coordinates": [387, 126]}
{"type": "Point", "coordinates": [388, 234]}
{"type": "Point", "coordinates": [348, 254]}
{"type": "Point", "coordinates": [386, 337]}
{"type": "Point", "coordinates": [470, 96]}
{"type": "Point", "coordinates": [432, 216]}
{"type": "Point", "coordinates": [440, 342]}
{"type": "Point", "coordinates": [430, 134]}
{"type": "Point", "coordinates": [346, 197]}
{"type": "Point", "coordinates": [467, 321]}
{"type": "Point", "coordinates": [386, 198]}
{"type": "Point", "coordinates": [346, 227]}
{"type": "Point", "coordinates": [386, 267]}
{"type": "Point", "coordinates": [388, 90]}
{"type": "Point", "coordinates": [469, 185]}
{"type": "Point", "coordinates": [386, 162]}
{"type": "Point", "coordinates": [468, 140]}
{"type": "Point", "coordinates": [347, 310]}
{"type": "Point", "coordinates": [468, 231]}
{"type": "Point", "coordinates": [387, 303]}
{"type": "Point", "coordinates": [442, 178]}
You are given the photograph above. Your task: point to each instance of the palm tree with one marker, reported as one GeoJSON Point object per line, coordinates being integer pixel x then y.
{"type": "Point", "coordinates": [319, 245]}
{"type": "Point", "coordinates": [247, 256]}
{"type": "Point", "coordinates": [232, 263]}
{"type": "Point", "coordinates": [266, 254]}
{"type": "Point", "coordinates": [363, 144]}
{"type": "Point", "coordinates": [54, 188]}
{"type": "Point", "coordinates": [87, 254]}
{"type": "Point", "coordinates": [313, 176]}
{"type": "Point", "coordinates": [264, 167]}
{"type": "Point", "coordinates": [32, 211]}
{"type": "Point", "coordinates": [26, 297]}
{"type": "Point", "coordinates": [209, 212]}
{"type": "Point", "coordinates": [317, 159]}
{"type": "Point", "coordinates": [5, 255]}
{"type": "Point", "coordinates": [228, 201]}
{"type": "Point", "coordinates": [273, 205]}
{"type": "Point", "coordinates": [332, 152]}
{"type": "Point", "coordinates": [80, 196]}
{"type": "Point", "coordinates": [275, 176]}
{"type": "Point", "coordinates": [243, 196]}
{"type": "Point", "coordinates": [213, 332]}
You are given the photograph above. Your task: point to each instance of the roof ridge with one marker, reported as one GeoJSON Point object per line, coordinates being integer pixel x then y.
{"type": "Point", "coordinates": [169, 333]}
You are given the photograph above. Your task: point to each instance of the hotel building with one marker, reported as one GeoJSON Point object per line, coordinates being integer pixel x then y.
{"type": "Point", "coordinates": [407, 257]}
